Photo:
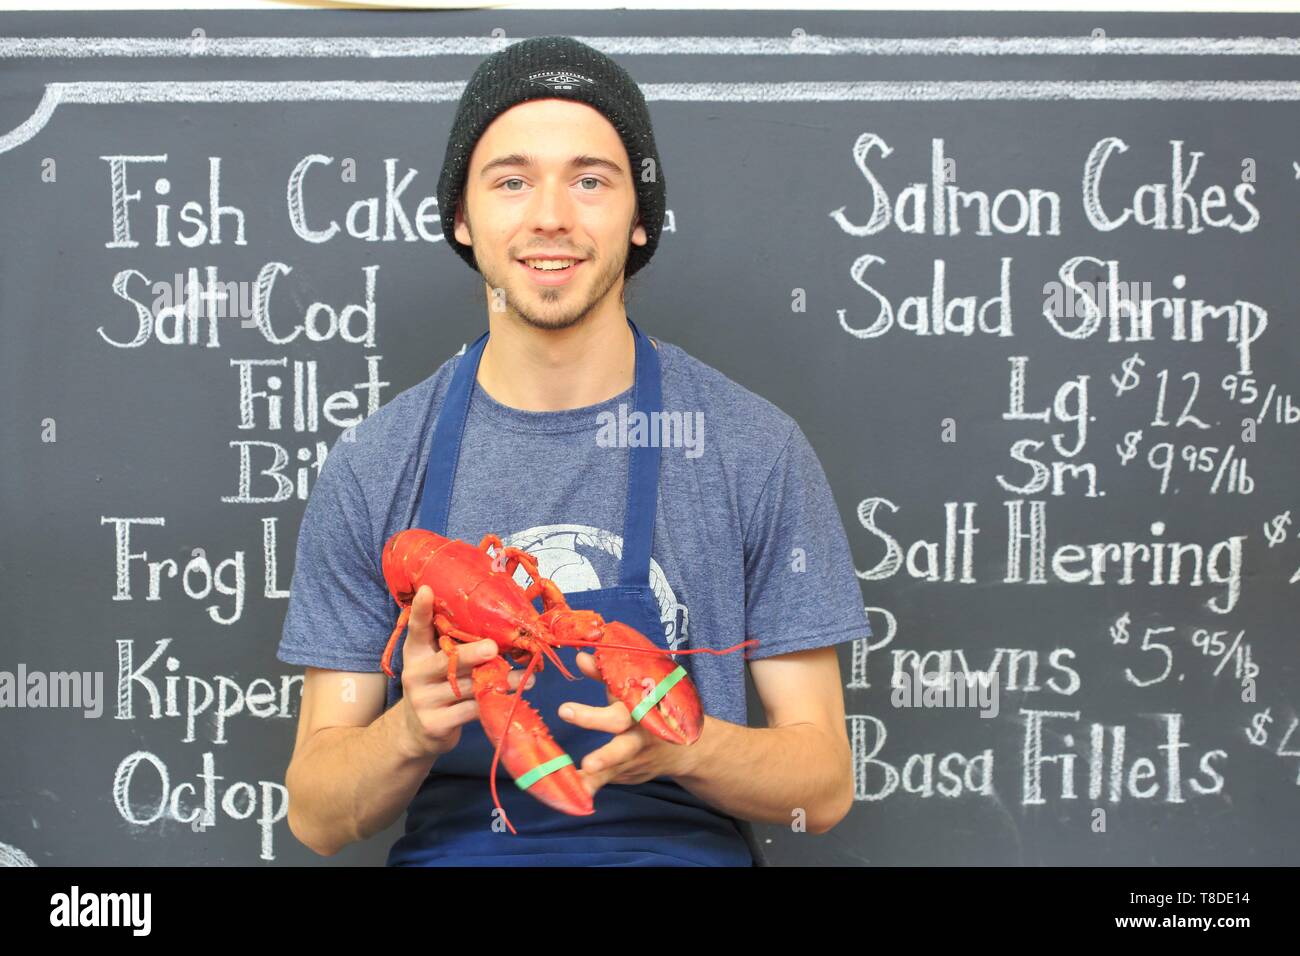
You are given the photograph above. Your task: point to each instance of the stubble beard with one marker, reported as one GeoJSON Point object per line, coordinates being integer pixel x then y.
{"type": "Point", "coordinates": [555, 307]}
{"type": "Point", "coordinates": [552, 307]}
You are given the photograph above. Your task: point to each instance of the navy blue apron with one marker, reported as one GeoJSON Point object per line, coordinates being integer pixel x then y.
{"type": "Point", "coordinates": [451, 820]}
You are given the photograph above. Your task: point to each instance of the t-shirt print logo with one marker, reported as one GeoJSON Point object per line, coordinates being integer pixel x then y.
{"type": "Point", "coordinates": [581, 558]}
{"type": "Point", "coordinates": [560, 79]}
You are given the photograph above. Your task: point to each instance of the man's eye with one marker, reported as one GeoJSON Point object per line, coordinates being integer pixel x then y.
{"type": "Point", "coordinates": [516, 179]}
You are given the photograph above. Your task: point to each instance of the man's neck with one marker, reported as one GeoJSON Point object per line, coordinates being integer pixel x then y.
{"type": "Point", "coordinates": [548, 370]}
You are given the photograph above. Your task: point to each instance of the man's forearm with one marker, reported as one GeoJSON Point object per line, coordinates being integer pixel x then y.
{"type": "Point", "coordinates": [766, 774]}
{"type": "Point", "coordinates": [352, 782]}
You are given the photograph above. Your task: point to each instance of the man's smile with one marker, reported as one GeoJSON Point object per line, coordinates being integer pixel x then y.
{"type": "Point", "coordinates": [544, 271]}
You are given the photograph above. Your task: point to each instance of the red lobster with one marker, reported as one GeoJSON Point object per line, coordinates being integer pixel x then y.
{"type": "Point", "coordinates": [475, 596]}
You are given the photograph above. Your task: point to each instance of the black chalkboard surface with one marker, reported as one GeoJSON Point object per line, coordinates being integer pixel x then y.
{"type": "Point", "coordinates": [1026, 281]}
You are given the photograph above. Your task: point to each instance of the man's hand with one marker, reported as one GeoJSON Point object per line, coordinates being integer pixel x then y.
{"type": "Point", "coordinates": [634, 755]}
{"type": "Point", "coordinates": [433, 714]}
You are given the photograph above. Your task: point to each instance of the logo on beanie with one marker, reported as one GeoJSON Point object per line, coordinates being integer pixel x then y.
{"type": "Point", "coordinates": [560, 80]}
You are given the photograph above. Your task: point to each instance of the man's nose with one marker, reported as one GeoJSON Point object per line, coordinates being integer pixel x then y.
{"type": "Point", "coordinates": [552, 204]}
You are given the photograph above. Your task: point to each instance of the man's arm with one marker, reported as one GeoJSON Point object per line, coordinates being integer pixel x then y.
{"type": "Point", "coordinates": [355, 766]}
{"type": "Point", "coordinates": [352, 772]}
{"type": "Point", "coordinates": [801, 760]}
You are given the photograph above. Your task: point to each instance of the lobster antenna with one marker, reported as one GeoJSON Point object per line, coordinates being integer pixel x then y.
{"type": "Point", "coordinates": [555, 658]}
{"type": "Point", "coordinates": [560, 642]}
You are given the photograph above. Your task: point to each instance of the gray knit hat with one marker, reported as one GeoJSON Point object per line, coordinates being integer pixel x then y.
{"type": "Point", "coordinates": [545, 68]}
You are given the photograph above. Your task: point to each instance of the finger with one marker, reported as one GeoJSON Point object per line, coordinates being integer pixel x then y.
{"type": "Point", "coordinates": [516, 676]}
{"type": "Point", "coordinates": [479, 651]}
{"type": "Point", "coordinates": [465, 681]}
{"type": "Point", "coordinates": [455, 715]}
{"type": "Point", "coordinates": [613, 719]}
{"type": "Point", "coordinates": [587, 664]}
{"type": "Point", "coordinates": [468, 656]}
{"type": "Point", "coordinates": [592, 781]}
{"type": "Point", "coordinates": [421, 620]}
{"type": "Point", "coordinates": [420, 644]}
{"type": "Point", "coordinates": [607, 758]}
{"type": "Point", "coordinates": [443, 695]}
{"type": "Point", "coordinates": [595, 779]}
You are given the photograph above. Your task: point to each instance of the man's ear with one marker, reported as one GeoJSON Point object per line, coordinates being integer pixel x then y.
{"type": "Point", "coordinates": [461, 225]}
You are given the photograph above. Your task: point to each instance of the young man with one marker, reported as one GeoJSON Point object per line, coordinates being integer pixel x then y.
{"type": "Point", "coordinates": [558, 197]}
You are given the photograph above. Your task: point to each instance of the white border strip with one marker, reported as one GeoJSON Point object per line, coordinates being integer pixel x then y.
{"type": "Point", "coordinates": [745, 6]}
{"type": "Point", "coordinates": [796, 45]}
{"type": "Point", "coordinates": [387, 91]}
{"type": "Point", "coordinates": [250, 91]}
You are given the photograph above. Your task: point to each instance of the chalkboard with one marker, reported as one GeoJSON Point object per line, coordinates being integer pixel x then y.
{"type": "Point", "coordinates": [893, 226]}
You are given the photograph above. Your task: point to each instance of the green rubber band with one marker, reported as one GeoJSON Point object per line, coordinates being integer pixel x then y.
{"type": "Point", "coordinates": [542, 769]}
{"type": "Point", "coordinates": [658, 694]}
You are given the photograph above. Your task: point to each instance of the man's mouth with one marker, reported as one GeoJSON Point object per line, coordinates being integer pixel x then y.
{"type": "Point", "coordinates": [551, 271]}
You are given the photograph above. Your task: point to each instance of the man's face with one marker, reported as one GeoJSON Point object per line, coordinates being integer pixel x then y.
{"type": "Point", "coordinates": [550, 177]}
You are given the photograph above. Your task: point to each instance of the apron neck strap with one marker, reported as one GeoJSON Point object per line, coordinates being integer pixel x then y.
{"type": "Point", "coordinates": [444, 450]}
{"type": "Point", "coordinates": [642, 469]}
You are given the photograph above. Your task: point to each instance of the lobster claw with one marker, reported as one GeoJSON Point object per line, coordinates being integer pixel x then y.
{"type": "Point", "coordinates": [656, 689]}
{"type": "Point", "coordinates": [532, 757]}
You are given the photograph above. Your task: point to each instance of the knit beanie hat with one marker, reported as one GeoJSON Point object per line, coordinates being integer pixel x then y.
{"type": "Point", "coordinates": [545, 68]}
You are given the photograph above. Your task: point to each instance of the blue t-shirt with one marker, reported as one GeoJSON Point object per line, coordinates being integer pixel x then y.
{"type": "Point", "coordinates": [747, 543]}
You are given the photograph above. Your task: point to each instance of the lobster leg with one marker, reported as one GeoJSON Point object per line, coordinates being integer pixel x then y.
{"type": "Point", "coordinates": [387, 661]}
{"type": "Point", "coordinates": [552, 596]}
{"type": "Point", "coordinates": [508, 558]}
{"type": "Point", "coordinates": [446, 631]}
{"type": "Point", "coordinates": [532, 757]}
